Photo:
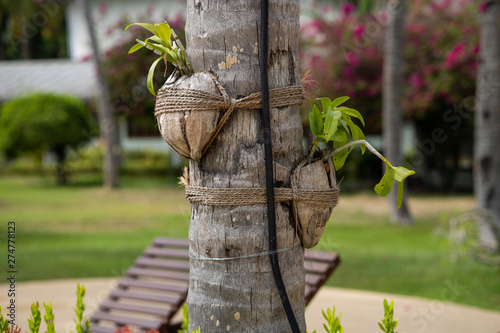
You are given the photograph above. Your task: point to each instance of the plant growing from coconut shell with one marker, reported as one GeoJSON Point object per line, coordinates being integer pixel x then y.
{"type": "Point", "coordinates": [331, 122]}
{"type": "Point", "coordinates": [161, 44]}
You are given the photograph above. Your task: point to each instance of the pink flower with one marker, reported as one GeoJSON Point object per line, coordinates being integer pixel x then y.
{"type": "Point", "coordinates": [451, 57]}
{"type": "Point", "coordinates": [371, 52]}
{"type": "Point", "coordinates": [416, 80]}
{"type": "Point", "coordinates": [348, 72]}
{"type": "Point", "coordinates": [352, 58]}
{"type": "Point", "coordinates": [312, 29]}
{"type": "Point", "coordinates": [359, 30]}
{"type": "Point", "coordinates": [483, 6]}
{"type": "Point", "coordinates": [347, 8]}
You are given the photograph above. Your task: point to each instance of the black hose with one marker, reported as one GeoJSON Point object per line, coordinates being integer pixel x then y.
{"type": "Point", "coordinates": [268, 151]}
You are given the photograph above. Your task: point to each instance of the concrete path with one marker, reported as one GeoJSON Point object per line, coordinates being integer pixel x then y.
{"type": "Point", "coordinates": [360, 310]}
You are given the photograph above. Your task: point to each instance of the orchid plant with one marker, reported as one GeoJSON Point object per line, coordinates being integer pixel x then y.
{"type": "Point", "coordinates": [331, 122]}
{"type": "Point", "coordinates": [161, 44]}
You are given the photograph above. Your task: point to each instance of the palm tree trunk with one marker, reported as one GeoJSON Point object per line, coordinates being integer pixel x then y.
{"type": "Point", "coordinates": [61, 172]}
{"type": "Point", "coordinates": [392, 113]}
{"type": "Point", "coordinates": [487, 122]}
{"type": "Point", "coordinates": [107, 122]}
{"type": "Point", "coordinates": [240, 295]}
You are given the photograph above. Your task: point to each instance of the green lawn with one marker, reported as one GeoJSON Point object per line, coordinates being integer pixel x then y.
{"type": "Point", "coordinates": [86, 231]}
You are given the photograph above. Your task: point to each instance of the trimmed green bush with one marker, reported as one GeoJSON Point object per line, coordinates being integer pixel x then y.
{"type": "Point", "coordinates": [44, 122]}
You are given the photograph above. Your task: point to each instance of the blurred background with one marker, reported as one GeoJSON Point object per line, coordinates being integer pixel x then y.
{"type": "Point", "coordinates": [87, 203]}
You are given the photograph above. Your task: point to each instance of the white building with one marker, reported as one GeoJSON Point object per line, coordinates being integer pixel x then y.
{"type": "Point", "coordinates": [76, 75]}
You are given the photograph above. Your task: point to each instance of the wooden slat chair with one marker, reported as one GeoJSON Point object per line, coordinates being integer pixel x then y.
{"type": "Point", "coordinates": [155, 288]}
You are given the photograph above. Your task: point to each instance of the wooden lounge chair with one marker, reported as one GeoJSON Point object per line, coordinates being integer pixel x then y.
{"type": "Point", "coordinates": [155, 288]}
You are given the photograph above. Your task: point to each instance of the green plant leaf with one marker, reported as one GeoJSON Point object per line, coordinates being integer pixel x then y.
{"type": "Point", "coordinates": [147, 26]}
{"type": "Point", "coordinates": [156, 46]}
{"type": "Point", "coordinates": [357, 134]}
{"type": "Point", "coordinates": [151, 75]}
{"type": "Point", "coordinates": [383, 188]}
{"type": "Point", "coordinates": [344, 125]}
{"type": "Point", "coordinates": [341, 137]}
{"type": "Point", "coordinates": [340, 141]}
{"type": "Point", "coordinates": [156, 39]}
{"type": "Point", "coordinates": [340, 158]}
{"type": "Point", "coordinates": [316, 121]}
{"type": "Point", "coordinates": [381, 327]}
{"type": "Point", "coordinates": [325, 102]}
{"type": "Point", "coordinates": [163, 31]}
{"type": "Point", "coordinates": [331, 123]}
{"type": "Point", "coordinates": [352, 113]}
{"type": "Point", "coordinates": [136, 47]}
{"type": "Point", "coordinates": [400, 173]}
{"type": "Point", "coordinates": [313, 102]}
{"type": "Point", "coordinates": [400, 194]}
{"type": "Point", "coordinates": [337, 101]}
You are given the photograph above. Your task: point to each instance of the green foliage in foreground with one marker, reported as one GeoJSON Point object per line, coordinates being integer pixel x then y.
{"type": "Point", "coordinates": [332, 322]}
{"type": "Point", "coordinates": [36, 318]}
{"type": "Point", "coordinates": [388, 324]}
{"type": "Point", "coordinates": [82, 324]}
{"type": "Point", "coordinates": [97, 233]}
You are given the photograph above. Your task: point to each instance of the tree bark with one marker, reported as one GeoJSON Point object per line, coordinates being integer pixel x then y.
{"type": "Point", "coordinates": [392, 113]}
{"type": "Point", "coordinates": [61, 172]}
{"type": "Point", "coordinates": [108, 125]}
{"type": "Point", "coordinates": [487, 123]}
{"type": "Point", "coordinates": [240, 295]}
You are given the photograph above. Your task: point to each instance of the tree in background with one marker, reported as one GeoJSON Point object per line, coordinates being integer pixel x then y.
{"type": "Point", "coordinates": [487, 127]}
{"type": "Point", "coordinates": [44, 122]}
{"type": "Point", "coordinates": [32, 30]}
{"type": "Point", "coordinates": [392, 113]}
{"type": "Point", "coordinates": [108, 123]}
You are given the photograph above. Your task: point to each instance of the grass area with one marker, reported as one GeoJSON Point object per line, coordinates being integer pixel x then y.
{"type": "Point", "coordinates": [86, 231]}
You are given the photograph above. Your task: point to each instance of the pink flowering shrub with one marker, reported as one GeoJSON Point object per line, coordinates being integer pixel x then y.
{"type": "Point", "coordinates": [442, 43]}
{"type": "Point", "coordinates": [343, 63]}
{"type": "Point", "coordinates": [441, 47]}
{"type": "Point", "coordinates": [345, 56]}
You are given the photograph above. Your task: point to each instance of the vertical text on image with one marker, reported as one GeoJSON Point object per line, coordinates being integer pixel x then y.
{"type": "Point", "coordinates": [11, 271]}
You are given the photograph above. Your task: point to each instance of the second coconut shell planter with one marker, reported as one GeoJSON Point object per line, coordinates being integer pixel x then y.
{"type": "Point", "coordinates": [319, 195]}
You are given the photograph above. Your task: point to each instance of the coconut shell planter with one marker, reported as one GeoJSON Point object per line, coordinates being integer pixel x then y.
{"type": "Point", "coordinates": [318, 196]}
{"type": "Point", "coordinates": [185, 129]}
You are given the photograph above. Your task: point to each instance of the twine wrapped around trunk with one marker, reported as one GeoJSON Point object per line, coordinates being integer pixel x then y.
{"type": "Point", "coordinates": [257, 195]}
{"type": "Point", "coordinates": [313, 192]}
{"type": "Point", "coordinates": [172, 99]}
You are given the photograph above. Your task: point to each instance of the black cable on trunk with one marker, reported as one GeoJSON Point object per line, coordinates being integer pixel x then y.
{"type": "Point", "coordinates": [268, 150]}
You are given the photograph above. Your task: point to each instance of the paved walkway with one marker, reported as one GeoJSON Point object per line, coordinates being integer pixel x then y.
{"type": "Point", "coordinates": [360, 310]}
